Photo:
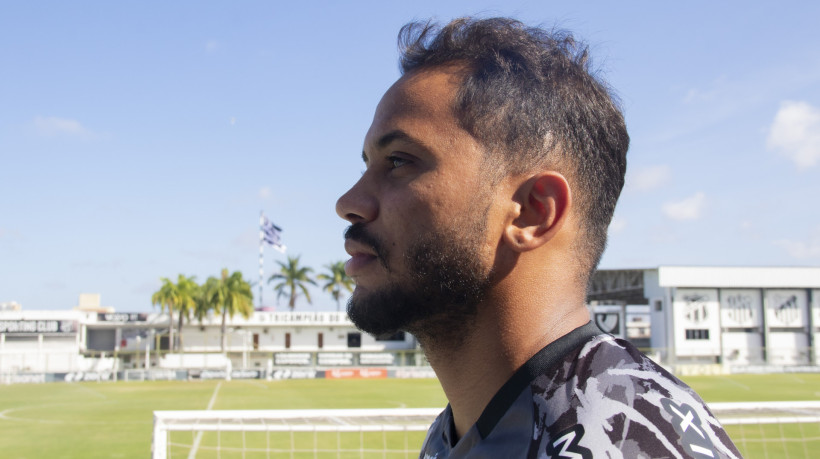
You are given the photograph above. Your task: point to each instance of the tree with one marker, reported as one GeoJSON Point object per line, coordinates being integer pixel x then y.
{"type": "Point", "coordinates": [336, 280]}
{"type": "Point", "coordinates": [227, 295]}
{"type": "Point", "coordinates": [165, 298]}
{"type": "Point", "coordinates": [180, 298]}
{"type": "Point", "coordinates": [187, 294]}
{"type": "Point", "coordinates": [292, 278]}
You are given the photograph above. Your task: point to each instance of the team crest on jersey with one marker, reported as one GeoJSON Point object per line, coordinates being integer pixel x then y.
{"type": "Point", "coordinates": [565, 445]}
{"type": "Point", "coordinates": [687, 423]}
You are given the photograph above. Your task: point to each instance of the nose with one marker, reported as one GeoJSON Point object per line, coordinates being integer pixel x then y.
{"type": "Point", "coordinates": [357, 205]}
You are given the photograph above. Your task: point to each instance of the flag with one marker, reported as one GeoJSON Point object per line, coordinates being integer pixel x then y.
{"type": "Point", "coordinates": [272, 234]}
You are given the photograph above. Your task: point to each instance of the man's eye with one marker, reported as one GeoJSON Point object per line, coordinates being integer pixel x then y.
{"type": "Point", "coordinates": [397, 162]}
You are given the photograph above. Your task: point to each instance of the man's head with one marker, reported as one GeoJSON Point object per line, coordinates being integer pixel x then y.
{"type": "Point", "coordinates": [528, 96]}
{"type": "Point", "coordinates": [479, 102]}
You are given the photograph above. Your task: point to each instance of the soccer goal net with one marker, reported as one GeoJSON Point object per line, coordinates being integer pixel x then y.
{"type": "Point", "coordinates": [352, 433]}
{"type": "Point", "coordinates": [759, 429]}
{"type": "Point", "coordinates": [772, 429]}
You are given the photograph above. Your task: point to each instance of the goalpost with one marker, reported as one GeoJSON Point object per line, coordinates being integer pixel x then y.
{"type": "Point", "coordinates": [772, 429]}
{"type": "Point", "coordinates": [759, 429]}
{"type": "Point", "coordinates": [319, 433]}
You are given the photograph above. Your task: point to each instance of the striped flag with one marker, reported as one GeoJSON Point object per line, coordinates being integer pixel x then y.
{"type": "Point", "coordinates": [272, 234]}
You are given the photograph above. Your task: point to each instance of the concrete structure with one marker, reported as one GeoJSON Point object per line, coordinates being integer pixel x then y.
{"type": "Point", "coordinates": [728, 315]}
{"type": "Point", "coordinates": [46, 341]}
{"type": "Point", "coordinates": [81, 341]}
{"type": "Point", "coordinates": [719, 316]}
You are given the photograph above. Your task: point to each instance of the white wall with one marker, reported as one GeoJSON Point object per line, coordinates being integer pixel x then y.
{"type": "Point", "coordinates": [787, 348]}
{"type": "Point", "coordinates": [742, 348]}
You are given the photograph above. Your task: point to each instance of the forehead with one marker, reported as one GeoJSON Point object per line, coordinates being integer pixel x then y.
{"type": "Point", "coordinates": [420, 106]}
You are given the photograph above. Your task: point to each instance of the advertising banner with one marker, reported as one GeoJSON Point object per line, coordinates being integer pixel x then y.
{"type": "Point", "coordinates": [412, 373]}
{"type": "Point", "coordinates": [246, 374]}
{"type": "Point", "coordinates": [122, 317]}
{"type": "Point", "coordinates": [26, 378]}
{"type": "Point", "coordinates": [38, 326]}
{"type": "Point", "coordinates": [84, 376]}
{"type": "Point", "coordinates": [209, 374]}
{"type": "Point", "coordinates": [296, 374]}
{"type": "Point", "coordinates": [291, 359]}
{"type": "Point", "coordinates": [377, 358]}
{"type": "Point", "coordinates": [356, 373]}
{"type": "Point", "coordinates": [334, 359]}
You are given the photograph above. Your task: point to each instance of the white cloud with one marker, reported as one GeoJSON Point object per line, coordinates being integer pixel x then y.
{"type": "Point", "coordinates": [795, 133]}
{"type": "Point", "coordinates": [690, 208]}
{"type": "Point", "coordinates": [233, 120]}
{"type": "Point", "coordinates": [648, 178]}
{"type": "Point", "coordinates": [50, 126]}
{"type": "Point", "coordinates": [802, 249]}
{"type": "Point", "coordinates": [265, 193]}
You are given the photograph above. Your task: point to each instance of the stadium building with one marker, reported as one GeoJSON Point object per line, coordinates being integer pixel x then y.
{"type": "Point", "coordinates": [729, 319]}
{"type": "Point", "coordinates": [733, 316]}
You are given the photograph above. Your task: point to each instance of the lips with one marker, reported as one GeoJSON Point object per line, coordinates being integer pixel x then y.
{"type": "Point", "coordinates": [361, 256]}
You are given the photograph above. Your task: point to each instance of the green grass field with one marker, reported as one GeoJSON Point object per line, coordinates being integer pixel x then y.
{"type": "Point", "coordinates": [114, 420]}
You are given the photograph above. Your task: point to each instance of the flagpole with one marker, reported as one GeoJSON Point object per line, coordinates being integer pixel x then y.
{"type": "Point", "coordinates": [261, 253]}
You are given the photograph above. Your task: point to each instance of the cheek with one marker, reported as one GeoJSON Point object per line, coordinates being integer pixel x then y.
{"type": "Point", "coordinates": [409, 212]}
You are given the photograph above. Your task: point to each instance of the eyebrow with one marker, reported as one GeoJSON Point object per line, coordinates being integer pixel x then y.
{"type": "Point", "coordinates": [394, 135]}
{"type": "Point", "coordinates": [390, 137]}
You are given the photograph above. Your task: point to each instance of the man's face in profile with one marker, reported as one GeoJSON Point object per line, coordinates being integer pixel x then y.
{"type": "Point", "coordinates": [418, 241]}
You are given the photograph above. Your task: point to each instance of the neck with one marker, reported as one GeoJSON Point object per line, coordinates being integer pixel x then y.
{"type": "Point", "coordinates": [490, 348]}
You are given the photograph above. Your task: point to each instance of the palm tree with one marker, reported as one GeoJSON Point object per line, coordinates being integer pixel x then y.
{"type": "Point", "coordinates": [187, 294]}
{"type": "Point", "coordinates": [337, 280]}
{"type": "Point", "coordinates": [180, 298]}
{"type": "Point", "coordinates": [293, 278]}
{"type": "Point", "coordinates": [165, 298]}
{"type": "Point", "coordinates": [228, 295]}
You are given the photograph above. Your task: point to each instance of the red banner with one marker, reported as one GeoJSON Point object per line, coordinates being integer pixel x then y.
{"type": "Point", "coordinates": [356, 373]}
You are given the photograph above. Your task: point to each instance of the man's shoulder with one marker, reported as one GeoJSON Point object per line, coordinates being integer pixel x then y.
{"type": "Point", "coordinates": [607, 396]}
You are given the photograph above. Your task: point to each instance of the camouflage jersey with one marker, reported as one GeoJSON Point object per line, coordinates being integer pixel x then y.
{"type": "Point", "coordinates": [587, 395]}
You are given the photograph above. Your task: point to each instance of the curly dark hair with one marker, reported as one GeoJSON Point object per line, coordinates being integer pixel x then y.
{"type": "Point", "coordinates": [530, 97]}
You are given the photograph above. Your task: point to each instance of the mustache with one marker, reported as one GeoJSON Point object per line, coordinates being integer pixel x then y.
{"type": "Point", "coordinates": [357, 232]}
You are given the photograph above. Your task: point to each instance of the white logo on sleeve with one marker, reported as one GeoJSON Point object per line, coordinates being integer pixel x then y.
{"type": "Point", "coordinates": [566, 445]}
{"type": "Point", "coordinates": [688, 425]}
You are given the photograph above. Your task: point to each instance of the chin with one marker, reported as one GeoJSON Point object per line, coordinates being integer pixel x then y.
{"type": "Point", "coordinates": [371, 313]}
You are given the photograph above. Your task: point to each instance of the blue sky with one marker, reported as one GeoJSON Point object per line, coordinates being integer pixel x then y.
{"type": "Point", "coordinates": [142, 139]}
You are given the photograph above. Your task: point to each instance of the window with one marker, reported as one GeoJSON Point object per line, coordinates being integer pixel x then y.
{"type": "Point", "coordinates": [698, 334]}
{"type": "Point", "coordinates": [399, 336]}
{"type": "Point", "coordinates": [354, 340]}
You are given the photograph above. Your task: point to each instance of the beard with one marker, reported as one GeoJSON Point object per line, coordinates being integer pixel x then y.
{"type": "Point", "coordinates": [437, 300]}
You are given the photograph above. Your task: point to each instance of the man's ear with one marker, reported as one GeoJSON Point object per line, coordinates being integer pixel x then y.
{"type": "Point", "coordinates": [543, 203]}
